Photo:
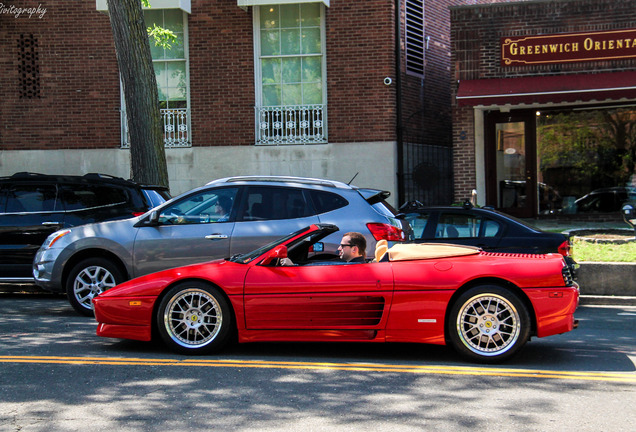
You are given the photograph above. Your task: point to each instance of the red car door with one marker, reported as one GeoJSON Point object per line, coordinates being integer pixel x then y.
{"type": "Point", "coordinates": [338, 296]}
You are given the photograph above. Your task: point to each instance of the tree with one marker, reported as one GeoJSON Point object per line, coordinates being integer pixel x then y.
{"type": "Point", "coordinates": [147, 153]}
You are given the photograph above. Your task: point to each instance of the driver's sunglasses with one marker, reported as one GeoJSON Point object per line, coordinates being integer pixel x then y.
{"type": "Point", "coordinates": [345, 245]}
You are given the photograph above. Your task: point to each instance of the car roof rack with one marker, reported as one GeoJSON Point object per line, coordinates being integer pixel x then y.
{"type": "Point", "coordinates": [284, 179]}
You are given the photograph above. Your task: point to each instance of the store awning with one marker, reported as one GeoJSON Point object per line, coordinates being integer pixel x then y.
{"type": "Point", "coordinates": [548, 89]}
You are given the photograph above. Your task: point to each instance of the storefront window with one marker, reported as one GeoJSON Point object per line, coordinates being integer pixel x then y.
{"type": "Point", "coordinates": [586, 160]}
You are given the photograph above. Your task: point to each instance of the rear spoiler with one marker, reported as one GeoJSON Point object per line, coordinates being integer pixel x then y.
{"type": "Point", "coordinates": [373, 196]}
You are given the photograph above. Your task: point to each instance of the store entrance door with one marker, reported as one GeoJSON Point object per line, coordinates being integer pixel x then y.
{"type": "Point", "coordinates": [511, 180]}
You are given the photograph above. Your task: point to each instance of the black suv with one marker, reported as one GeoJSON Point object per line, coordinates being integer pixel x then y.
{"type": "Point", "coordinates": [32, 206]}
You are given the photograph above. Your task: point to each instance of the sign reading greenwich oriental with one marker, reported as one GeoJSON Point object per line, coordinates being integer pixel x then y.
{"type": "Point", "coordinates": [568, 47]}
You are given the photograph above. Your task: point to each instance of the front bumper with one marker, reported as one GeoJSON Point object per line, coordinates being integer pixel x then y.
{"type": "Point", "coordinates": [45, 273]}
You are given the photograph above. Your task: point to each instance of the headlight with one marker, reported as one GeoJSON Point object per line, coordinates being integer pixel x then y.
{"type": "Point", "coordinates": [50, 240]}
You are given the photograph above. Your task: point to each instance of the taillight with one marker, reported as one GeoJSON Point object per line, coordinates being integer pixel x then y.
{"type": "Point", "coordinates": [565, 248]}
{"type": "Point", "coordinates": [135, 214]}
{"type": "Point", "coordinates": [385, 231]}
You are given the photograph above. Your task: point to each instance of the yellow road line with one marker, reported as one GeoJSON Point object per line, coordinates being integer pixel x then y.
{"type": "Point", "coordinates": [626, 377]}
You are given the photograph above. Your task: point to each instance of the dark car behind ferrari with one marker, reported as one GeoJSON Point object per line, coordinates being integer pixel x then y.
{"type": "Point", "coordinates": [485, 228]}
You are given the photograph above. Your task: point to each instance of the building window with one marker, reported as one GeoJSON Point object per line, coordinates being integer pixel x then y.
{"type": "Point", "coordinates": [171, 71]}
{"type": "Point", "coordinates": [290, 74]}
{"type": "Point", "coordinates": [414, 35]}
{"type": "Point", "coordinates": [29, 67]}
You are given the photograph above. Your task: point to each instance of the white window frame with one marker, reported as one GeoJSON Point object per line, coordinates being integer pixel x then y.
{"type": "Point", "coordinates": [323, 138]}
{"type": "Point", "coordinates": [166, 116]}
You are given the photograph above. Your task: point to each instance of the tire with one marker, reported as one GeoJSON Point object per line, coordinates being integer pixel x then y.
{"type": "Point", "coordinates": [194, 318]}
{"type": "Point", "coordinates": [488, 324]}
{"type": "Point", "coordinates": [88, 279]}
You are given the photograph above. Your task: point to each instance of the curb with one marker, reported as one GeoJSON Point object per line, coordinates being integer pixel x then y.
{"type": "Point", "coordinates": [607, 300]}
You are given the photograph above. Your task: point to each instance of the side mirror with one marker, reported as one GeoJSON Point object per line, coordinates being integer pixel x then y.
{"type": "Point", "coordinates": [279, 252]}
{"type": "Point", "coordinates": [153, 219]}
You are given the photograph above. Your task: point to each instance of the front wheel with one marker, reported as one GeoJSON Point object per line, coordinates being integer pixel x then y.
{"type": "Point", "coordinates": [194, 318]}
{"type": "Point", "coordinates": [488, 324]}
{"type": "Point", "coordinates": [88, 279]}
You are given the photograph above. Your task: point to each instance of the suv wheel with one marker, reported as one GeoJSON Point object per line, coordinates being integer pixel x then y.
{"type": "Point", "coordinates": [88, 279]}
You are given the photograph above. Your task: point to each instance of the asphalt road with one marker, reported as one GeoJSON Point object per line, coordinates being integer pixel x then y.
{"type": "Point", "coordinates": [56, 375]}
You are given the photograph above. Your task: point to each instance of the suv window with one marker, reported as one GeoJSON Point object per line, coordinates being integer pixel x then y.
{"type": "Point", "coordinates": [269, 203]}
{"type": "Point", "coordinates": [326, 201]}
{"type": "Point", "coordinates": [33, 199]}
{"type": "Point", "coordinates": [84, 197]}
{"type": "Point", "coordinates": [203, 207]}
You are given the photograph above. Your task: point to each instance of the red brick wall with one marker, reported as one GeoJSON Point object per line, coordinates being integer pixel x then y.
{"type": "Point", "coordinates": [78, 103]}
{"type": "Point", "coordinates": [360, 54]}
{"type": "Point", "coordinates": [221, 73]}
{"type": "Point", "coordinates": [475, 36]}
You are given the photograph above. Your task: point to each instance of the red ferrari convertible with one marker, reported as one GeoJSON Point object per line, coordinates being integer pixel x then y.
{"type": "Point", "coordinates": [486, 305]}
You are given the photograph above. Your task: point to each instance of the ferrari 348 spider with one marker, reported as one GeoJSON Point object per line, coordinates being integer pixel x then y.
{"type": "Point", "coordinates": [486, 305]}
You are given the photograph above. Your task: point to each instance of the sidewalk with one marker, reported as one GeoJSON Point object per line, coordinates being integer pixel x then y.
{"type": "Point", "coordinates": [597, 293]}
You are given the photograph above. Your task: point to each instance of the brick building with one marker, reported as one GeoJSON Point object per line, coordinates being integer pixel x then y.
{"type": "Point", "coordinates": [332, 89]}
{"type": "Point", "coordinates": [544, 105]}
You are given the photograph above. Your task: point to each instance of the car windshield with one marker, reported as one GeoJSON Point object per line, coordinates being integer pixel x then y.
{"type": "Point", "coordinates": [246, 258]}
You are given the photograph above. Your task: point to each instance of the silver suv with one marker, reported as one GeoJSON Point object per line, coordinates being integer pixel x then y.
{"type": "Point", "coordinates": [223, 218]}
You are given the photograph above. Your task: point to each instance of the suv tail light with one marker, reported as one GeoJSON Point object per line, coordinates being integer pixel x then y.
{"type": "Point", "coordinates": [385, 231]}
{"type": "Point", "coordinates": [565, 248]}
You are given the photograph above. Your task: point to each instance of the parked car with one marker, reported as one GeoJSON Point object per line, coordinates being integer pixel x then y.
{"type": "Point", "coordinates": [485, 305]}
{"type": "Point", "coordinates": [485, 228]}
{"type": "Point", "coordinates": [225, 217]}
{"type": "Point", "coordinates": [605, 200]}
{"type": "Point", "coordinates": [32, 206]}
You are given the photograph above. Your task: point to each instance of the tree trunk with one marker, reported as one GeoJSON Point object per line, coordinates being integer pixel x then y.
{"type": "Point", "coordinates": [147, 153]}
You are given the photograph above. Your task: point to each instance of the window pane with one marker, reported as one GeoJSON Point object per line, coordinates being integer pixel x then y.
{"type": "Point", "coordinates": [418, 223]}
{"type": "Point", "coordinates": [176, 50]}
{"type": "Point", "coordinates": [289, 16]}
{"type": "Point", "coordinates": [271, 71]}
{"type": "Point", "coordinates": [269, 17]}
{"type": "Point", "coordinates": [173, 20]}
{"type": "Point", "coordinates": [457, 226]}
{"type": "Point", "coordinates": [311, 41]}
{"type": "Point", "coordinates": [206, 207]}
{"type": "Point", "coordinates": [271, 95]}
{"type": "Point", "coordinates": [153, 17]}
{"type": "Point", "coordinates": [312, 93]}
{"type": "Point", "coordinates": [312, 69]}
{"type": "Point", "coordinates": [291, 70]}
{"type": "Point", "coordinates": [33, 199]}
{"type": "Point", "coordinates": [290, 41]}
{"type": "Point", "coordinates": [155, 51]}
{"type": "Point", "coordinates": [491, 228]}
{"type": "Point", "coordinates": [292, 94]}
{"type": "Point", "coordinates": [310, 14]}
{"type": "Point", "coordinates": [270, 42]}
{"type": "Point", "coordinates": [264, 203]}
{"type": "Point", "coordinates": [162, 79]}
{"type": "Point", "coordinates": [176, 93]}
{"type": "Point", "coordinates": [176, 75]}
{"type": "Point", "coordinates": [327, 201]}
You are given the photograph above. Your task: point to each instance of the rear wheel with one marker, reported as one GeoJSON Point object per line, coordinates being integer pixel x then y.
{"type": "Point", "coordinates": [488, 324]}
{"type": "Point", "coordinates": [194, 318]}
{"type": "Point", "coordinates": [88, 279]}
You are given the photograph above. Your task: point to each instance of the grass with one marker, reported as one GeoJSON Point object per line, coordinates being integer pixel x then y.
{"type": "Point", "coordinates": [599, 252]}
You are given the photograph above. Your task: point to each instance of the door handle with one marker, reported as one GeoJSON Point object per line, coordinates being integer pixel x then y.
{"type": "Point", "coordinates": [51, 223]}
{"type": "Point", "coordinates": [216, 236]}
